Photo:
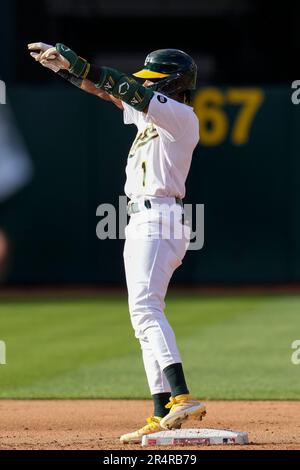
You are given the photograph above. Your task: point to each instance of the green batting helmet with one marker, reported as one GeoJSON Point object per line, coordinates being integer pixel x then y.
{"type": "Point", "coordinates": [175, 70]}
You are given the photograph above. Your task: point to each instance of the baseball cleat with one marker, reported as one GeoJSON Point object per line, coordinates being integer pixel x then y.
{"type": "Point", "coordinates": [153, 425]}
{"type": "Point", "coordinates": [181, 408]}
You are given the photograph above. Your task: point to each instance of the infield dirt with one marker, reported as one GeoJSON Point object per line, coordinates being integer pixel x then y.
{"type": "Point", "coordinates": [97, 424]}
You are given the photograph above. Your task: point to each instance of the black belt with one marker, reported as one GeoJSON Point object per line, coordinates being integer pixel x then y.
{"type": "Point", "coordinates": [134, 207]}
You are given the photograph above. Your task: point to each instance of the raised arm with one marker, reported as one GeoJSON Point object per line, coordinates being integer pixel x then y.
{"type": "Point", "coordinates": [59, 66]}
{"type": "Point", "coordinates": [115, 83]}
{"type": "Point", "coordinates": [119, 86]}
{"type": "Point", "coordinates": [90, 87]}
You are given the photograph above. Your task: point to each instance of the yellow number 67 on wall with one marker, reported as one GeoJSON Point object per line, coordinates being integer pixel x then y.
{"type": "Point", "coordinates": [214, 122]}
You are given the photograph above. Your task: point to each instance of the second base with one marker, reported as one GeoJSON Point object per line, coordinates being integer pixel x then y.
{"type": "Point", "coordinates": [195, 437]}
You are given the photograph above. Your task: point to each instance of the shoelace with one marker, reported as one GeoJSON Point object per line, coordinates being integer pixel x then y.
{"type": "Point", "coordinates": [172, 402]}
{"type": "Point", "coordinates": [152, 421]}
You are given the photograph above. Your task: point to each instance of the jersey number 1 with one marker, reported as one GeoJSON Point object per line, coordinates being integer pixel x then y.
{"type": "Point", "coordinates": [144, 173]}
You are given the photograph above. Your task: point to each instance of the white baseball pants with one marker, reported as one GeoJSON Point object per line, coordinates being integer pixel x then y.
{"type": "Point", "coordinates": [156, 242]}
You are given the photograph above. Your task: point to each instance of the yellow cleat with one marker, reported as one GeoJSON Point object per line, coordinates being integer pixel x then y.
{"type": "Point", "coordinates": [181, 408]}
{"type": "Point", "coordinates": [153, 425]}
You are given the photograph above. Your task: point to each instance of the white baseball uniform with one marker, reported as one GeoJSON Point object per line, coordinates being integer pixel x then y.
{"type": "Point", "coordinates": [156, 240]}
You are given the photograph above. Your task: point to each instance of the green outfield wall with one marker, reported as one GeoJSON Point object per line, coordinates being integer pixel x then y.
{"type": "Point", "coordinates": [245, 171]}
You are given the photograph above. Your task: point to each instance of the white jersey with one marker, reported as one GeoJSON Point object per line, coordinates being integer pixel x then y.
{"type": "Point", "coordinates": [161, 154]}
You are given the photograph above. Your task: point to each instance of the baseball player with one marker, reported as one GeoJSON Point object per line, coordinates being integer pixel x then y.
{"type": "Point", "coordinates": [157, 167]}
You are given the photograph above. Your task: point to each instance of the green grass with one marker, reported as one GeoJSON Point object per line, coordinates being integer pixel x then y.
{"type": "Point", "coordinates": [232, 347]}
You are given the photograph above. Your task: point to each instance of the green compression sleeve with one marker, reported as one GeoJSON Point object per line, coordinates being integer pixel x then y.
{"type": "Point", "coordinates": [121, 86]}
{"type": "Point", "coordinates": [112, 81]}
